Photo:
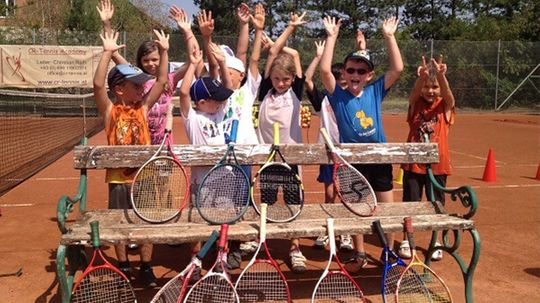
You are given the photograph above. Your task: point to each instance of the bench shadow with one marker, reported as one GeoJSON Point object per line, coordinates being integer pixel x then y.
{"type": "Point", "coordinates": [52, 293]}
{"type": "Point", "coordinates": [533, 271]}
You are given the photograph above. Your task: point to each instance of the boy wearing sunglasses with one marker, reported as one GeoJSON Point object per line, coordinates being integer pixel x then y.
{"type": "Point", "coordinates": [358, 107]}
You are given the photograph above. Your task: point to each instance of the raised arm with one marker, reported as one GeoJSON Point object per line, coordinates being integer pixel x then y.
{"type": "Point", "coordinates": [219, 56]}
{"type": "Point", "coordinates": [360, 40]}
{"type": "Point", "coordinates": [103, 102]}
{"type": "Point", "coordinates": [162, 78]}
{"type": "Point", "coordinates": [332, 31]}
{"type": "Point", "coordinates": [258, 24]}
{"type": "Point", "coordinates": [422, 73]}
{"type": "Point", "coordinates": [389, 29]}
{"type": "Point", "coordinates": [195, 57]}
{"type": "Point", "coordinates": [206, 26]}
{"type": "Point", "coordinates": [106, 12]}
{"type": "Point", "coordinates": [243, 15]}
{"type": "Point", "coordinates": [446, 92]}
{"type": "Point", "coordinates": [294, 22]}
{"type": "Point", "coordinates": [184, 24]}
{"type": "Point", "coordinates": [310, 71]}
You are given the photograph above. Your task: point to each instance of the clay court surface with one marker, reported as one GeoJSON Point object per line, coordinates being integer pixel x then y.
{"type": "Point", "coordinates": [508, 218]}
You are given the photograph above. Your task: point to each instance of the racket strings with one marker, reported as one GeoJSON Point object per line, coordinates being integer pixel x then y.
{"type": "Point", "coordinates": [354, 190]}
{"type": "Point", "coordinates": [170, 292]}
{"type": "Point", "coordinates": [282, 190]}
{"type": "Point", "coordinates": [391, 279]}
{"type": "Point", "coordinates": [159, 189]}
{"type": "Point", "coordinates": [420, 284]}
{"type": "Point", "coordinates": [262, 282]}
{"type": "Point", "coordinates": [224, 194]}
{"type": "Point", "coordinates": [337, 287]}
{"type": "Point", "coordinates": [103, 285]}
{"type": "Point", "coordinates": [212, 289]}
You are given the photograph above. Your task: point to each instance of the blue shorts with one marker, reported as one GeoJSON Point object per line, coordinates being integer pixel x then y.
{"type": "Point", "coordinates": [326, 174]}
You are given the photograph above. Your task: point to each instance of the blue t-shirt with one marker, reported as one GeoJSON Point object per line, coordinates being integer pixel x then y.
{"type": "Point", "coordinates": [359, 119]}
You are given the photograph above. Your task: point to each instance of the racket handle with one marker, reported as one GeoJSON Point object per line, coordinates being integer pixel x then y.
{"type": "Point", "coordinates": [262, 231]}
{"type": "Point", "coordinates": [379, 231]}
{"type": "Point", "coordinates": [331, 236]}
{"type": "Point", "coordinates": [169, 124]}
{"type": "Point", "coordinates": [94, 233]}
{"type": "Point", "coordinates": [223, 236]}
{"type": "Point", "coordinates": [234, 130]}
{"type": "Point", "coordinates": [409, 230]}
{"type": "Point", "coordinates": [327, 139]}
{"type": "Point", "coordinates": [213, 238]}
{"type": "Point", "coordinates": [276, 133]}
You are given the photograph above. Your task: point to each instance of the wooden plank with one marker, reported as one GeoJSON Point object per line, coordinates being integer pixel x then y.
{"type": "Point", "coordinates": [99, 157]}
{"type": "Point", "coordinates": [116, 226]}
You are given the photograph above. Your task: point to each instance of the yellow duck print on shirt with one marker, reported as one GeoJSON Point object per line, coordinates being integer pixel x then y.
{"type": "Point", "coordinates": [365, 122]}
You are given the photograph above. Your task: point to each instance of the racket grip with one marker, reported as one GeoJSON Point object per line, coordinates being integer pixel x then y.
{"type": "Point", "coordinates": [94, 233]}
{"type": "Point", "coordinates": [327, 139]}
{"type": "Point", "coordinates": [331, 236]}
{"type": "Point", "coordinates": [169, 124]}
{"type": "Point", "coordinates": [262, 231]}
{"type": "Point", "coordinates": [234, 130]}
{"type": "Point", "coordinates": [380, 232]}
{"type": "Point", "coordinates": [213, 238]}
{"type": "Point", "coordinates": [410, 231]}
{"type": "Point", "coordinates": [223, 235]}
{"type": "Point", "coordinates": [276, 133]}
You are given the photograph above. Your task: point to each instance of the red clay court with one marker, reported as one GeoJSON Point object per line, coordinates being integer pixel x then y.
{"type": "Point", "coordinates": [507, 219]}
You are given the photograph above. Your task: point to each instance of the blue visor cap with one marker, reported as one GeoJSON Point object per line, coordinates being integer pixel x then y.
{"type": "Point", "coordinates": [127, 72]}
{"type": "Point", "coordinates": [208, 88]}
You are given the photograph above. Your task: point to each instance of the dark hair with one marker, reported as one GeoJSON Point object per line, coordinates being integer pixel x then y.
{"type": "Point", "coordinates": [336, 70]}
{"type": "Point", "coordinates": [144, 49]}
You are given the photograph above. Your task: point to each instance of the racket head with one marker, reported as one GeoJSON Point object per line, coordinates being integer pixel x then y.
{"type": "Point", "coordinates": [104, 282]}
{"type": "Point", "coordinates": [262, 280]}
{"type": "Point", "coordinates": [419, 283]}
{"type": "Point", "coordinates": [182, 188]}
{"type": "Point", "coordinates": [336, 285]}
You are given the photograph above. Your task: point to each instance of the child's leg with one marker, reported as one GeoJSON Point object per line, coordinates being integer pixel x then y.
{"type": "Point", "coordinates": [298, 261]}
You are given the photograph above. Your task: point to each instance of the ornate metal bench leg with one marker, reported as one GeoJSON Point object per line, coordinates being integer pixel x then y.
{"type": "Point", "coordinates": [76, 259]}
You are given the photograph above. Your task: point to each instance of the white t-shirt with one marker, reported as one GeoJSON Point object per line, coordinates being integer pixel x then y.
{"type": "Point", "coordinates": [328, 121]}
{"type": "Point", "coordinates": [240, 106]}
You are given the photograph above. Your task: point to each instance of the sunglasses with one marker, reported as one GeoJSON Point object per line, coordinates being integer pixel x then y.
{"type": "Point", "coordinates": [359, 71]}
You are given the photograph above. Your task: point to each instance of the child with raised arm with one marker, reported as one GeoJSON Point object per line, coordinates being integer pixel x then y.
{"type": "Point", "coordinates": [281, 92]}
{"type": "Point", "coordinates": [126, 124]}
{"type": "Point", "coordinates": [432, 112]}
{"type": "Point", "coordinates": [358, 107]}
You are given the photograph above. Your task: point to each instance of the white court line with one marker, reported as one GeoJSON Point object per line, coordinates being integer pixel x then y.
{"type": "Point", "coordinates": [17, 205]}
{"type": "Point", "coordinates": [476, 157]}
{"type": "Point", "coordinates": [58, 179]}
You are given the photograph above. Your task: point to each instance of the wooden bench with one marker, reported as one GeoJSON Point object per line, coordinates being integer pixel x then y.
{"type": "Point", "coordinates": [122, 226]}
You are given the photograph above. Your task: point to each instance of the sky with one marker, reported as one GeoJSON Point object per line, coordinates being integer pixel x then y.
{"type": "Point", "coordinates": [185, 4]}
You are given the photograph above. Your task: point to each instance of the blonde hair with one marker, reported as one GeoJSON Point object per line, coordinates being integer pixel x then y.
{"type": "Point", "coordinates": [283, 62]}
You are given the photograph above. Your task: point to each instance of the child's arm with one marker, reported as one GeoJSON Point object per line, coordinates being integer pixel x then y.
{"type": "Point", "coordinates": [422, 73]}
{"type": "Point", "coordinates": [325, 66]}
{"type": "Point", "coordinates": [195, 56]}
{"type": "Point", "coordinates": [360, 40]}
{"type": "Point", "coordinates": [184, 24]}
{"type": "Point", "coordinates": [163, 69]}
{"type": "Point", "coordinates": [243, 15]}
{"type": "Point", "coordinates": [103, 102]}
{"type": "Point", "coordinates": [258, 24]}
{"type": "Point", "coordinates": [219, 56]}
{"type": "Point", "coordinates": [310, 71]}
{"type": "Point", "coordinates": [446, 92]}
{"type": "Point", "coordinates": [396, 63]}
{"type": "Point", "coordinates": [206, 26]}
{"type": "Point", "coordinates": [106, 12]}
{"type": "Point", "coordinates": [280, 42]}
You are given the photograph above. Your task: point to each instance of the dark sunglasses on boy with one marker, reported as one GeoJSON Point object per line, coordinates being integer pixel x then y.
{"type": "Point", "coordinates": [359, 71]}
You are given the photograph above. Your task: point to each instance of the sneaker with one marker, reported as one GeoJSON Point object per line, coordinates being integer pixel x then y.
{"type": "Point", "coordinates": [234, 260]}
{"type": "Point", "coordinates": [132, 246]}
{"type": "Point", "coordinates": [249, 246]}
{"type": "Point", "coordinates": [298, 261]}
{"type": "Point", "coordinates": [147, 277]}
{"type": "Point", "coordinates": [359, 258]}
{"type": "Point", "coordinates": [321, 242]}
{"type": "Point", "coordinates": [404, 250]}
{"type": "Point", "coordinates": [345, 243]}
{"type": "Point", "coordinates": [437, 255]}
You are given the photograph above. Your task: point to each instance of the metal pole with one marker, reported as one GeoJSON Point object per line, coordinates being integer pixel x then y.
{"type": "Point", "coordinates": [431, 50]}
{"type": "Point", "coordinates": [124, 37]}
{"type": "Point", "coordinates": [497, 76]}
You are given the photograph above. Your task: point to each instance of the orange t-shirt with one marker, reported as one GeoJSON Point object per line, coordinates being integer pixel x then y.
{"type": "Point", "coordinates": [126, 126]}
{"type": "Point", "coordinates": [431, 118]}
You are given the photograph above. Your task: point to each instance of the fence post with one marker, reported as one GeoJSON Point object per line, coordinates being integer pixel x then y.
{"type": "Point", "coordinates": [497, 75]}
{"type": "Point", "coordinates": [34, 36]}
{"type": "Point", "coordinates": [431, 49]}
{"type": "Point", "coordinates": [124, 38]}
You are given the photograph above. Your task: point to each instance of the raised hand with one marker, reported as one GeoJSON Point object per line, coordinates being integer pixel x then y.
{"type": "Point", "coordinates": [439, 66]}
{"type": "Point", "coordinates": [266, 41]}
{"type": "Point", "coordinates": [296, 20]}
{"type": "Point", "coordinates": [216, 51]}
{"type": "Point", "coordinates": [389, 26]}
{"type": "Point", "coordinates": [331, 26]}
{"type": "Point", "coordinates": [258, 19]}
{"type": "Point", "coordinates": [105, 10]}
{"type": "Point", "coordinates": [181, 18]}
{"type": "Point", "coordinates": [109, 42]}
{"type": "Point", "coordinates": [195, 56]}
{"type": "Point", "coordinates": [360, 40]}
{"type": "Point", "coordinates": [162, 40]}
{"type": "Point", "coordinates": [320, 48]}
{"type": "Point", "coordinates": [242, 13]}
{"type": "Point", "coordinates": [206, 23]}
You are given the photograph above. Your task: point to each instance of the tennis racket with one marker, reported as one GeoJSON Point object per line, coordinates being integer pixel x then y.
{"type": "Point", "coordinates": [224, 192]}
{"type": "Point", "coordinates": [352, 187]}
{"type": "Point", "coordinates": [175, 289]}
{"type": "Point", "coordinates": [160, 189]}
{"type": "Point", "coordinates": [101, 281]}
{"type": "Point", "coordinates": [216, 285]}
{"type": "Point", "coordinates": [393, 266]}
{"type": "Point", "coordinates": [336, 285]}
{"type": "Point", "coordinates": [261, 280]}
{"type": "Point", "coordinates": [419, 283]}
{"type": "Point", "coordinates": [278, 186]}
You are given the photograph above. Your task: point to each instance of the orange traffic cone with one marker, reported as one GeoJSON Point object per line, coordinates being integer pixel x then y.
{"type": "Point", "coordinates": [538, 173]}
{"type": "Point", "coordinates": [490, 174]}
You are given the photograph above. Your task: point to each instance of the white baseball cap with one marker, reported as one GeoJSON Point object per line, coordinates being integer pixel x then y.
{"type": "Point", "coordinates": [231, 60]}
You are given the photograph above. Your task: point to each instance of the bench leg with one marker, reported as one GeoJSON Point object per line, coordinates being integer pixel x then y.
{"type": "Point", "coordinates": [467, 270]}
{"type": "Point", "coordinates": [76, 259]}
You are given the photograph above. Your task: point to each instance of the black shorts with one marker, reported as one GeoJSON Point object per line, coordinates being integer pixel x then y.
{"type": "Point", "coordinates": [120, 196]}
{"type": "Point", "coordinates": [415, 184]}
{"type": "Point", "coordinates": [379, 176]}
{"type": "Point", "coordinates": [270, 195]}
